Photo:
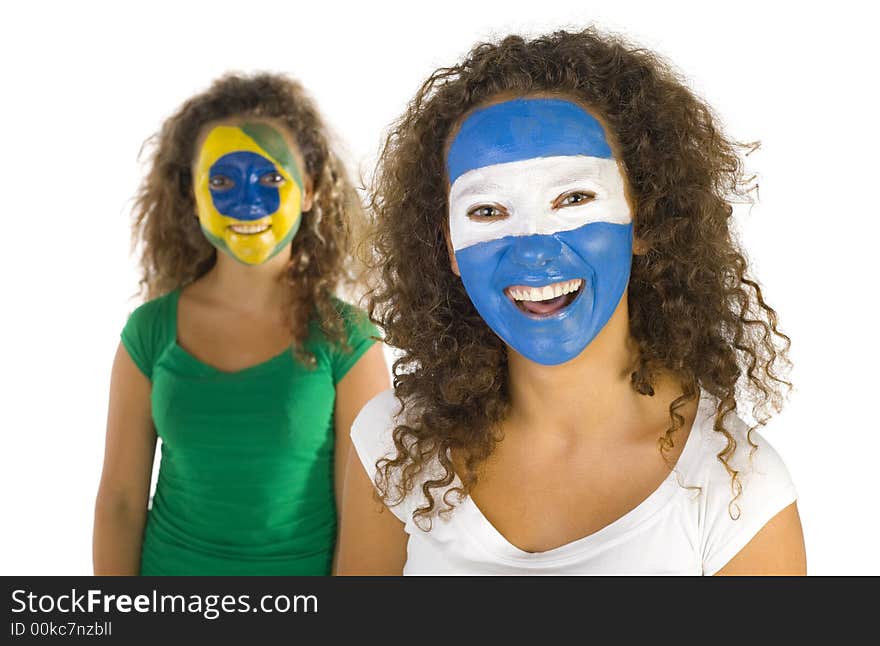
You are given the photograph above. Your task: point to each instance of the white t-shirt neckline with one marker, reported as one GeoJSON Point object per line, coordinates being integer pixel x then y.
{"type": "Point", "coordinates": [684, 526]}
{"type": "Point", "coordinates": [484, 532]}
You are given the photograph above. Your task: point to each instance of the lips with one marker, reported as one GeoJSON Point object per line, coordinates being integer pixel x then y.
{"type": "Point", "coordinates": [250, 229]}
{"type": "Point", "coordinates": [545, 300]}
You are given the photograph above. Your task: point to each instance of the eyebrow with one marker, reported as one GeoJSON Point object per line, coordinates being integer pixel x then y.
{"type": "Point", "coordinates": [581, 175]}
{"type": "Point", "coordinates": [478, 188]}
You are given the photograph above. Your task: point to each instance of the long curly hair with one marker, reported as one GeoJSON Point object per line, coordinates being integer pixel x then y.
{"type": "Point", "coordinates": [175, 252]}
{"type": "Point", "coordinates": [694, 312]}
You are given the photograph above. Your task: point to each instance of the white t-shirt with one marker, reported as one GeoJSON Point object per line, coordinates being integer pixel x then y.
{"type": "Point", "coordinates": [675, 530]}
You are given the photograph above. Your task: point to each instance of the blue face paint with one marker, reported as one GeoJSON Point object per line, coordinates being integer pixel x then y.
{"type": "Point", "coordinates": [245, 196]}
{"type": "Point", "coordinates": [524, 129]}
{"type": "Point", "coordinates": [558, 218]}
{"type": "Point", "coordinates": [599, 253]}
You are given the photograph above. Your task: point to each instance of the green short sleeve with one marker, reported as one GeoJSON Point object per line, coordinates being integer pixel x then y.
{"type": "Point", "coordinates": [360, 335]}
{"type": "Point", "coordinates": [148, 330]}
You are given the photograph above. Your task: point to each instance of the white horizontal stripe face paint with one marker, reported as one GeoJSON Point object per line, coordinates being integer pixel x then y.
{"type": "Point", "coordinates": [527, 190]}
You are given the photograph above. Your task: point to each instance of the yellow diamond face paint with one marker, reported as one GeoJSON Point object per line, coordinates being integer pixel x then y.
{"type": "Point", "coordinates": [248, 190]}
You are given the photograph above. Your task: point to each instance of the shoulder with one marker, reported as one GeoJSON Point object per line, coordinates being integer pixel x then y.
{"type": "Point", "coordinates": [346, 310]}
{"type": "Point", "coordinates": [358, 335]}
{"type": "Point", "coordinates": [760, 469]}
{"type": "Point", "coordinates": [372, 435]}
{"type": "Point", "coordinates": [357, 323]}
{"type": "Point", "coordinates": [153, 310]}
{"type": "Point", "coordinates": [149, 328]}
{"type": "Point", "coordinates": [373, 428]}
{"type": "Point", "coordinates": [732, 511]}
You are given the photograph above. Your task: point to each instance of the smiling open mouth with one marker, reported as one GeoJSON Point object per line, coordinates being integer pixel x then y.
{"type": "Point", "coordinates": [251, 229]}
{"type": "Point", "coordinates": [546, 300]}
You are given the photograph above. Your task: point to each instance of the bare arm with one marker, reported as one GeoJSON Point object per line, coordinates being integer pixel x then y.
{"type": "Point", "coordinates": [372, 541]}
{"type": "Point", "coordinates": [121, 505]}
{"type": "Point", "coordinates": [366, 379]}
{"type": "Point", "coordinates": [778, 549]}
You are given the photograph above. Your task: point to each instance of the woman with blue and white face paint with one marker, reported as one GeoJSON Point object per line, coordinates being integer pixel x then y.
{"type": "Point", "coordinates": [539, 224]}
{"type": "Point", "coordinates": [573, 318]}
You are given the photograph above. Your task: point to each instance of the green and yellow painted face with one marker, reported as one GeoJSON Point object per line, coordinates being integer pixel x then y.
{"type": "Point", "coordinates": [249, 191]}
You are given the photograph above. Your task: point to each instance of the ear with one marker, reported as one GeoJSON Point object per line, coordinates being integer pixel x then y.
{"type": "Point", "coordinates": [308, 197]}
{"type": "Point", "coordinates": [453, 262]}
{"type": "Point", "coordinates": [640, 247]}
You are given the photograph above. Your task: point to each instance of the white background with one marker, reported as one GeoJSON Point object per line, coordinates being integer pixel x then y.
{"type": "Point", "coordinates": [84, 84]}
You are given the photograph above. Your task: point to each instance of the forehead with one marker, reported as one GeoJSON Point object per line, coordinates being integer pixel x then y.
{"type": "Point", "coordinates": [222, 139]}
{"type": "Point", "coordinates": [553, 173]}
{"type": "Point", "coordinates": [242, 160]}
{"type": "Point", "coordinates": [244, 123]}
{"type": "Point", "coordinates": [245, 134]}
{"type": "Point", "coordinates": [257, 137]}
{"type": "Point", "coordinates": [525, 128]}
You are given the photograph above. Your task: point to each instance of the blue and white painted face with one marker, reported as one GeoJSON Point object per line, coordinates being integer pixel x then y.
{"type": "Point", "coordinates": [540, 224]}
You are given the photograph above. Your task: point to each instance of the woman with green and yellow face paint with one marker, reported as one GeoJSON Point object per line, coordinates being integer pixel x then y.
{"type": "Point", "coordinates": [249, 201]}
{"type": "Point", "coordinates": [242, 361]}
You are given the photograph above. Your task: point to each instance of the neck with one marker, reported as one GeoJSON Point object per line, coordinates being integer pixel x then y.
{"type": "Point", "coordinates": [249, 288]}
{"type": "Point", "coordinates": [577, 397]}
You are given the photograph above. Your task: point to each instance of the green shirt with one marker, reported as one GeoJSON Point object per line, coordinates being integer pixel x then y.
{"type": "Point", "coordinates": [245, 482]}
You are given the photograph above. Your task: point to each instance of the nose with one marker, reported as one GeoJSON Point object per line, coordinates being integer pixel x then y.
{"type": "Point", "coordinates": [535, 250]}
{"type": "Point", "coordinates": [251, 204]}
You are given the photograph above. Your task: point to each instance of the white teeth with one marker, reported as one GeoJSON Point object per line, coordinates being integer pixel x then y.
{"type": "Point", "coordinates": [250, 229]}
{"type": "Point", "coordinates": [545, 293]}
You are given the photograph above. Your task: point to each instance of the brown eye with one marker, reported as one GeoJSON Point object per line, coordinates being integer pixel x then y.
{"type": "Point", "coordinates": [487, 212]}
{"type": "Point", "coordinates": [220, 183]}
{"type": "Point", "coordinates": [272, 179]}
{"type": "Point", "coordinates": [573, 198]}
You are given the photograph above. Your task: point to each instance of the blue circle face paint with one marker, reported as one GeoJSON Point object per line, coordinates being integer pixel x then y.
{"type": "Point", "coordinates": [540, 225]}
{"type": "Point", "coordinates": [241, 187]}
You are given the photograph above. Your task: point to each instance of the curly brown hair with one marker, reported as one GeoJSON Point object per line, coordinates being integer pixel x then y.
{"type": "Point", "coordinates": [693, 311]}
{"type": "Point", "coordinates": [175, 252]}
